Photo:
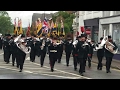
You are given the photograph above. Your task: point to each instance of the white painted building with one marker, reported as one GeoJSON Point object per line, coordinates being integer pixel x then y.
{"type": "Point", "coordinates": [109, 24]}
{"type": "Point", "coordinates": [88, 19]}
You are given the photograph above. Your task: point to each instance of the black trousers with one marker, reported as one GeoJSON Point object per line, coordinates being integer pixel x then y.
{"type": "Point", "coordinates": [89, 58]}
{"type": "Point", "coordinates": [42, 57]}
{"type": "Point", "coordinates": [14, 56]}
{"type": "Point", "coordinates": [21, 60]}
{"type": "Point", "coordinates": [82, 65]}
{"type": "Point", "coordinates": [0, 46]}
{"type": "Point", "coordinates": [99, 61]}
{"type": "Point", "coordinates": [60, 55]}
{"type": "Point", "coordinates": [68, 57]}
{"type": "Point", "coordinates": [53, 58]}
{"type": "Point", "coordinates": [75, 61]}
{"type": "Point", "coordinates": [7, 58]}
{"type": "Point", "coordinates": [108, 63]}
{"type": "Point", "coordinates": [32, 55]}
{"type": "Point", "coordinates": [4, 56]}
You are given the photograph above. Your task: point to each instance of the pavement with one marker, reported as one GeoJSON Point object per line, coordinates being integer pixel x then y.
{"type": "Point", "coordinates": [34, 71]}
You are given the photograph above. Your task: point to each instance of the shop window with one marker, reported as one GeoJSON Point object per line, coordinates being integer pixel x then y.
{"type": "Point", "coordinates": [105, 29]}
{"type": "Point", "coordinates": [106, 13]}
{"type": "Point", "coordinates": [116, 35]}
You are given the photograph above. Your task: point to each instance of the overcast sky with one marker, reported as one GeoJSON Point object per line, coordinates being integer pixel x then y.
{"type": "Point", "coordinates": [26, 16]}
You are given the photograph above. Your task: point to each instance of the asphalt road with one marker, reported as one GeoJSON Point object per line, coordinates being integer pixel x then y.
{"type": "Point", "coordinates": [34, 71]}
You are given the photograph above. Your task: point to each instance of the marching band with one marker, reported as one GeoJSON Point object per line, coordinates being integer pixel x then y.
{"type": "Point", "coordinates": [53, 44]}
{"type": "Point", "coordinates": [81, 49]}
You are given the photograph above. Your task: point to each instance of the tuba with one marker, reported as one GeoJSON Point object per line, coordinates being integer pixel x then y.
{"type": "Point", "coordinates": [75, 43]}
{"type": "Point", "coordinates": [43, 44]}
{"type": "Point", "coordinates": [22, 47]}
{"type": "Point", "coordinates": [108, 45]}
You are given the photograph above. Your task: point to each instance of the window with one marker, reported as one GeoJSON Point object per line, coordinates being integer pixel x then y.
{"type": "Point", "coordinates": [105, 29]}
{"type": "Point", "coordinates": [106, 13]}
{"type": "Point", "coordinates": [116, 12]}
{"type": "Point", "coordinates": [116, 35]}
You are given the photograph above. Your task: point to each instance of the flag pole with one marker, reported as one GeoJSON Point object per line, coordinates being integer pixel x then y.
{"type": "Point", "coordinates": [44, 14]}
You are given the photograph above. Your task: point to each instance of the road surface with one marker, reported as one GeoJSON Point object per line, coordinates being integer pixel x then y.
{"type": "Point", "coordinates": [34, 71]}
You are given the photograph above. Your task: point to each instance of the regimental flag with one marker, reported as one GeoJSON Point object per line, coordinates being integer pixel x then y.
{"type": "Point", "coordinates": [39, 27]}
{"type": "Point", "coordinates": [28, 31]}
{"type": "Point", "coordinates": [45, 25]}
{"type": "Point", "coordinates": [20, 25]}
{"type": "Point", "coordinates": [18, 28]}
{"type": "Point", "coordinates": [57, 29]}
{"type": "Point", "coordinates": [62, 28]}
{"type": "Point", "coordinates": [52, 26]}
{"type": "Point", "coordinates": [15, 28]}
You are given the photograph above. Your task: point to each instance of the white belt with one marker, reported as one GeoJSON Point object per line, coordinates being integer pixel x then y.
{"type": "Point", "coordinates": [53, 50]}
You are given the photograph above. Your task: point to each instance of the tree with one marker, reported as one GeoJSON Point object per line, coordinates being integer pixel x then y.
{"type": "Point", "coordinates": [67, 20]}
{"type": "Point", "coordinates": [6, 25]}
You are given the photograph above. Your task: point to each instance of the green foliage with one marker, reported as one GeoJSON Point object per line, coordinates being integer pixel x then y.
{"type": "Point", "coordinates": [67, 20]}
{"type": "Point", "coordinates": [6, 25]}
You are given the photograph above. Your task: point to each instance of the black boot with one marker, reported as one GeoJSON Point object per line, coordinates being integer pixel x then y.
{"type": "Point", "coordinates": [20, 70]}
{"type": "Point", "coordinates": [75, 68]}
{"type": "Point", "coordinates": [12, 64]}
{"type": "Point", "coordinates": [52, 69]}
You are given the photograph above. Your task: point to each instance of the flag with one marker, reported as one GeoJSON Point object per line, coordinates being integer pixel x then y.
{"type": "Point", "coordinates": [28, 30]}
{"type": "Point", "coordinates": [15, 27]}
{"type": "Point", "coordinates": [62, 28]}
{"type": "Point", "coordinates": [39, 27]}
{"type": "Point", "coordinates": [52, 26]}
{"type": "Point", "coordinates": [20, 25]}
{"type": "Point", "coordinates": [45, 25]}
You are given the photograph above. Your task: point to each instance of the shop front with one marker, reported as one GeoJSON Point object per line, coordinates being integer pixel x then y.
{"type": "Point", "coordinates": [91, 28]}
{"type": "Point", "coordinates": [111, 26]}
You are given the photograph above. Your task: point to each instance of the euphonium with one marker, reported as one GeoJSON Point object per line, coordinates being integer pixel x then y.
{"type": "Point", "coordinates": [43, 44]}
{"type": "Point", "coordinates": [22, 47]}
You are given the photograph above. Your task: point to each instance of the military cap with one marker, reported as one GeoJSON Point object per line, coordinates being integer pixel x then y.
{"type": "Point", "coordinates": [109, 36]}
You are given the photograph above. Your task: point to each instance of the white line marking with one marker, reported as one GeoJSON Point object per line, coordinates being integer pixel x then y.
{"type": "Point", "coordinates": [66, 72]}
{"type": "Point", "coordinates": [1, 53]}
{"type": "Point", "coordinates": [28, 58]}
{"type": "Point", "coordinates": [39, 73]}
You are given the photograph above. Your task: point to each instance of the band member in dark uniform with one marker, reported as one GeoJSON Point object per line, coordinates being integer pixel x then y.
{"type": "Point", "coordinates": [100, 55]}
{"type": "Point", "coordinates": [60, 48]}
{"type": "Point", "coordinates": [53, 49]}
{"type": "Point", "coordinates": [3, 44]}
{"type": "Point", "coordinates": [31, 43]}
{"type": "Point", "coordinates": [81, 48]}
{"type": "Point", "coordinates": [68, 49]}
{"type": "Point", "coordinates": [91, 47]}
{"type": "Point", "coordinates": [18, 52]}
{"type": "Point", "coordinates": [21, 56]}
{"type": "Point", "coordinates": [0, 41]}
{"type": "Point", "coordinates": [43, 49]}
{"type": "Point", "coordinates": [109, 55]}
{"type": "Point", "coordinates": [7, 50]}
{"type": "Point", "coordinates": [13, 50]}
{"type": "Point", "coordinates": [75, 53]}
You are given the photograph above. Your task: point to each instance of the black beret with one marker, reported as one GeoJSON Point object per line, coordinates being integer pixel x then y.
{"type": "Point", "coordinates": [109, 36]}
{"type": "Point", "coordinates": [43, 34]}
{"type": "Point", "coordinates": [101, 38]}
{"type": "Point", "coordinates": [83, 35]}
{"type": "Point", "coordinates": [14, 36]}
{"type": "Point", "coordinates": [22, 35]}
{"type": "Point", "coordinates": [8, 35]}
{"type": "Point", "coordinates": [79, 37]}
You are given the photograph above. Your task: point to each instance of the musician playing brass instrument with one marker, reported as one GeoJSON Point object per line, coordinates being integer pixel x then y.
{"type": "Point", "coordinates": [53, 50]}
{"type": "Point", "coordinates": [108, 54]}
{"type": "Point", "coordinates": [43, 47]}
{"type": "Point", "coordinates": [68, 49]}
{"type": "Point", "coordinates": [60, 48]}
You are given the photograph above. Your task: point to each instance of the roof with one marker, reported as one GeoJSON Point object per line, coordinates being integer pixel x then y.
{"type": "Point", "coordinates": [35, 16]}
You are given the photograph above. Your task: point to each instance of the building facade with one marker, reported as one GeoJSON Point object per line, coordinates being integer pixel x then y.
{"type": "Point", "coordinates": [75, 25]}
{"type": "Point", "coordinates": [90, 21]}
{"type": "Point", "coordinates": [109, 24]}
